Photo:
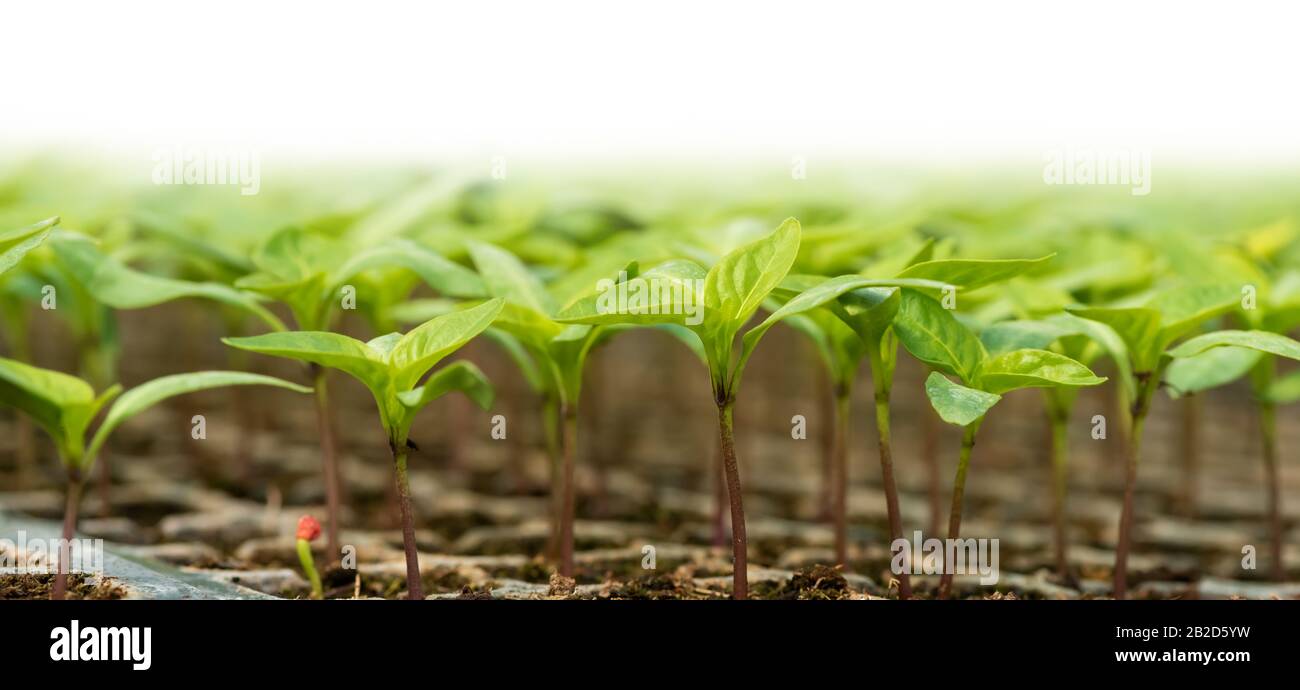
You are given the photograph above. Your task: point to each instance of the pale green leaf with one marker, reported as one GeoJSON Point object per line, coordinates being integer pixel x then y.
{"type": "Point", "coordinates": [15, 244]}
{"type": "Point", "coordinates": [955, 403]}
{"type": "Point", "coordinates": [1031, 368]}
{"type": "Point", "coordinates": [148, 394]}
{"type": "Point", "coordinates": [933, 335]}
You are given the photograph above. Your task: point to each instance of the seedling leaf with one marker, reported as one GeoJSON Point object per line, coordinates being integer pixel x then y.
{"type": "Point", "coordinates": [955, 403]}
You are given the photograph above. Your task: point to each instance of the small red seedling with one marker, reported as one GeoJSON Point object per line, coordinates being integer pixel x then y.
{"type": "Point", "coordinates": [308, 530]}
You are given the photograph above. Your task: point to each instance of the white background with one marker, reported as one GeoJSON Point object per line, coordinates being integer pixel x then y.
{"type": "Point", "coordinates": [918, 81]}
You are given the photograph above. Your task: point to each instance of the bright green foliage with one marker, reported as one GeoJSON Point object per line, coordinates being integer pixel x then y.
{"type": "Point", "coordinates": [112, 283]}
{"type": "Point", "coordinates": [933, 335]}
{"type": "Point", "coordinates": [15, 244]}
{"type": "Point", "coordinates": [1148, 331]}
{"type": "Point", "coordinates": [392, 365]}
{"type": "Point", "coordinates": [733, 290]}
{"type": "Point", "coordinates": [307, 271]}
{"type": "Point", "coordinates": [64, 406]}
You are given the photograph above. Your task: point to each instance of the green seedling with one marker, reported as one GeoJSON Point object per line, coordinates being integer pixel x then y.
{"type": "Point", "coordinates": [308, 530]}
{"type": "Point", "coordinates": [391, 367]}
{"type": "Point", "coordinates": [855, 321]}
{"type": "Point", "coordinates": [308, 273]}
{"type": "Point", "coordinates": [102, 279]}
{"type": "Point", "coordinates": [14, 245]}
{"type": "Point", "coordinates": [1083, 341]}
{"type": "Point", "coordinates": [1222, 353]}
{"type": "Point", "coordinates": [1147, 332]}
{"type": "Point", "coordinates": [65, 406]}
{"type": "Point", "coordinates": [933, 335]}
{"type": "Point", "coordinates": [552, 356]}
{"type": "Point", "coordinates": [732, 291]}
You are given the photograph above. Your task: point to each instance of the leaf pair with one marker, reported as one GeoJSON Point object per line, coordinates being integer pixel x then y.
{"type": "Point", "coordinates": [306, 271]}
{"type": "Point", "coordinates": [392, 365]}
{"type": "Point", "coordinates": [713, 310]}
{"type": "Point", "coordinates": [1149, 330]}
{"type": "Point", "coordinates": [116, 285]}
{"type": "Point", "coordinates": [64, 406]}
{"type": "Point", "coordinates": [933, 335]}
{"type": "Point", "coordinates": [15, 244]}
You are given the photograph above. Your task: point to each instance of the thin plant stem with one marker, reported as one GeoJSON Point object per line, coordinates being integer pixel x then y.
{"type": "Point", "coordinates": [727, 442]}
{"type": "Point", "coordinates": [1060, 489]}
{"type": "Point", "coordinates": [1147, 383]}
{"type": "Point", "coordinates": [958, 496]}
{"type": "Point", "coordinates": [551, 432]}
{"type": "Point", "coordinates": [414, 587]}
{"type": "Point", "coordinates": [930, 460]}
{"type": "Point", "coordinates": [69, 530]}
{"type": "Point", "coordinates": [882, 384]}
{"type": "Point", "coordinates": [568, 443]}
{"type": "Point", "coordinates": [826, 400]}
{"type": "Point", "coordinates": [329, 460]}
{"type": "Point", "coordinates": [719, 476]}
{"type": "Point", "coordinates": [1268, 434]}
{"type": "Point", "coordinates": [309, 567]}
{"type": "Point", "coordinates": [840, 472]}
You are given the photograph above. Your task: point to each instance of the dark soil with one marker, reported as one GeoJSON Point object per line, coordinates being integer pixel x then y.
{"type": "Point", "coordinates": [38, 586]}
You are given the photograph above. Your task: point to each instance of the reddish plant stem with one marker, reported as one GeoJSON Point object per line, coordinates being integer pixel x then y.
{"type": "Point", "coordinates": [1268, 434]}
{"type": "Point", "coordinates": [891, 487]}
{"type": "Point", "coordinates": [958, 496]}
{"type": "Point", "coordinates": [930, 460]}
{"type": "Point", "coordinates": [719, 498]}
{"type": "Point", "coordinates": [329, 460]}
{"type": "Point", "coordinates": [882, 382]}
{"type": "Point", "coordinates": [1147, 383]}
{"type": "Point", "coordinates": [826, 398]}
{"type": "Point", "coordinates": [551, 429]}
{"type": "Point", "coordinates": [568, 442]}
{"type": "Point", "coordinates": [69, 530]}
{"type": "Point", "coordinates": [414, 587]}
{"type": "Point", "coordinates": [1060, 486]}
{"type": "Point", "coordinates": [727, 443]}
{"type": "Point", "coordinates": [840, 473]}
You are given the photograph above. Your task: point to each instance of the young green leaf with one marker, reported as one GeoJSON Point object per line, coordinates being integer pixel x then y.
{"type": "Point", "coordinates": [955, 403]}
{"type": "Point", "coordinates": [112, 283]}
{"type": "Point", "coordinates": [60, 404]}
{"type": "Point", "coordinates": [1262, 341]}
{"type": "Point", "coordinates": [1138, 328]}
{"type": "Point", "coordinates": [506, 277]}
{"type": "Point", "coordinates": [323, 348]}
{"type": "Point", "coordinates": [443, 275]}
{"type": "Point", "coordinates": [146, 395]}
{"type": "Point", "coordinates": [15, 244]}
{"type": "Point", "coordinates": [1032, 369]}
{"type": "Point", "coordinates": [736, 285]}
{"type": "Point", "coordinates": [457, 376]}
{"type": "Point", "coordinates": [1210, 369]}
{"type": "Point", "coordinates": [670, 297]}
{"type": "Point", "coordinates": [971, 274]}
{"type": "Point", "coordinates": [933, 335]}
